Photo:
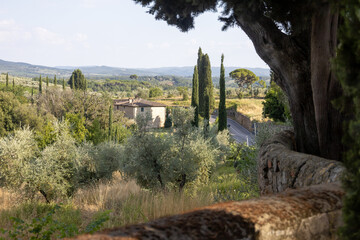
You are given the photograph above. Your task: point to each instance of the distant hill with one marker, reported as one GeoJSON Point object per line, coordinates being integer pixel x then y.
{"type": "Point", "coordinates": [29, 70]}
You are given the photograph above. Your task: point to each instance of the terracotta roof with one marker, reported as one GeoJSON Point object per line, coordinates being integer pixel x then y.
{"type": "Point", "coordinates": [137, 102]}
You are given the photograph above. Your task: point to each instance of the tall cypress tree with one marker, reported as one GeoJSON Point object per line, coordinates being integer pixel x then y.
{"type": "Point", "coordinates": [55, 80]}
{"type": "Point", "coordinates": [13, 88]}
{"type": "Point", "coordinates": [32, 95]}
{"type": "Point", "coordinates": [209, 89]}
{"type": "Point", "coordinates": [110, 122]}
{"type": "Point", "coordinates": [195, 96]}
{"type": "Point", "coordinates": [201, 90]}
{"type": "Point", "coordinates": [72, 82]}
{"type": "Point", "coordinates": [7, 80]}
{"type": "Point", "coordinates": [63, 84]}
{"type": "Point", "coordinates": [40, 85]}
{"type": "Point", "coordinates": [47, 82]}
{"type": "Point", "coordinates": [206, 115]}
{"type": "Point", "coordinates": [222, 105]}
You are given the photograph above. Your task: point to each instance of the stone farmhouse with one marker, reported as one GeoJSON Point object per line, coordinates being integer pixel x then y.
{"type": "Point", "coordinates": [133, 107]}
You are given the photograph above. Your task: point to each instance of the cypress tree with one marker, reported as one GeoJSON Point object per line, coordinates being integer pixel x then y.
{"type": "Point", "coordinates": [195, 96]}
{"type": "Point", "coordinates": [40, 85]}
{"type": "Point", "coordinates": [63, 84]}
{"type": "Point", "coordinates": [13, 88]}
{"type": "Point", "coordinates": [7, 80]}
{"type": "Point", "coordinates": [32, 95]}
{"type": "Point", "coordinates": [116, 137]}
{"type": "Point", "coordinates": [222, 105]}
{"type": "Point", "coordinates": [55, 80]}
{"type": "Point", "coordinates": [72, 82]}
{"type": "Point", "coordinates": [201, 88]}
{"type": "Point", "coordinates": [47, 82]}
{"type": "Point", "coordinates": [206, 114]}
{"type": "Point", "coordinates": [110, 122]}
{"type": "Point", "coordinates": [209, 89]}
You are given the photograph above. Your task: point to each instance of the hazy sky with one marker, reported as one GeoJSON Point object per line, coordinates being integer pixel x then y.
{"type": "Point", "coordinates": [116, 33]}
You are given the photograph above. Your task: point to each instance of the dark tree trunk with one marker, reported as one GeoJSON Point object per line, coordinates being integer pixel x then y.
{"type": "Point", "coordinates": [302, 64]}
{"type": "Point", "coordinates": [324, 84]}
{"type": "Point", "coordinates": [182, 182]}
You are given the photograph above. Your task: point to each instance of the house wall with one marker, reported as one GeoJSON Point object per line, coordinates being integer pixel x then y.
{"type": "Point", "coordinates": [129, 111]}
{"type": "Point", "coordinates": [157, 114]}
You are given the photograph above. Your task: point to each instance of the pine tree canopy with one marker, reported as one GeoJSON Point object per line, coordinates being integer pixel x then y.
{"type": "Point", "coordinates": [243, 77]}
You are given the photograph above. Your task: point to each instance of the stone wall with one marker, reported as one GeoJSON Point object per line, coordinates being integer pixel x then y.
{"type": "Point", "coordinates": [280, 168]}
{"type": "Point", "coordinates": [241, 119]}
{"type": "Point", "coordinates": [310, 213]}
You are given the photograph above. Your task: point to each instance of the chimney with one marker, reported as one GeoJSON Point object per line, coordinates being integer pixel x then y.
{"type": "Point", "coordinates": [130, 100]}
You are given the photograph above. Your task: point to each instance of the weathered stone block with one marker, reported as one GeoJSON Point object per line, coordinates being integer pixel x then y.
{"type": "Point", "coordinates": [281, 168]}
{"type": "Point", "coordinates": [307, 213]}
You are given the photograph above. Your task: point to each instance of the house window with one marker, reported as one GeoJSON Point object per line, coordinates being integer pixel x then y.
{"type": "Point", "coordinates": [142, 109]}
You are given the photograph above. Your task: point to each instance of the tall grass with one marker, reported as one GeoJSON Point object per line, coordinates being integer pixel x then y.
{"type": "Point", "coordinates": [126, 201]}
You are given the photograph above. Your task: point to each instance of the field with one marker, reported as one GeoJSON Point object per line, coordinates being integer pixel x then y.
{"type": "Point", "coordinates": [251, 107]}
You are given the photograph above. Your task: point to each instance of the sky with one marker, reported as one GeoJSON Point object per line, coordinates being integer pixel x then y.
{"type": "Point", "coordinates": [117, 33]}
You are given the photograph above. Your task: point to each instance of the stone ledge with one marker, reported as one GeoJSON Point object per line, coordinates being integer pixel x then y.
{"type": "Point", "coordinates": [281, 168]}
{"type": "Point", "coordinates": [307, 213]}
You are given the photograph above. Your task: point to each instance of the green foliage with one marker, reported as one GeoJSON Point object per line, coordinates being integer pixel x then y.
{"type": "Point", "coordinates": [52, 172]}
{"type": "Point", "coordinates": [275, 104]}
{"type": "Point", "coordinates": [7, 80]}
{"type": "Point", "coordinates": [145, 160]}
{"type": "Point", "coordinates": [40, 85]}
{"type": "Point", "coordinates": [103, 159]}
{"type": "Point", "coordinates": [243, 77]}
{"type": "Point", "coordinates": [110, 122]}
{"type": "Point", "coordinates": [51, 226]}
{"type": "Point", "coordinates": [95, 133]}
{"type": "Point", "coordinates": [167, 160]}
{"type": "Point", "coordinates": [55, 80]}
{"type": "Point", "coordinates": [13, 114]}
{"type": "Point", "coordinates": [183, 92]}
{"type": "Point", "coordinates": [168, 118]}
{"type": "Point", "coordinates": [77, 128]}
{"type": "Point", "coordinates": [222, 104]}
{"type": "Point", "coordinates": [206, 88]}
{"type": "Point", "coordinates": [47, 81]}
{"type": "Point", "coordinates": [134, 76]}
{"type": "Point", "coordinates": [347, 65]}
{"type": "Point", "coordinates": [155, 92]}
{"type": "Point", "coordinates": [195, 96]}
{"type": "Point", "coordinates": [77, 80]}
{"type": "Point", "coordinates": [142, 93]}
{"type": "Point", "coordinates": [46, 136]}
{"type": "Point", "coordinates": [121, 133]}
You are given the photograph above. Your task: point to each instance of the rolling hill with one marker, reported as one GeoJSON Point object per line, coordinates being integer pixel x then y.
{"type": "Point", "coordinates": [29, 70]}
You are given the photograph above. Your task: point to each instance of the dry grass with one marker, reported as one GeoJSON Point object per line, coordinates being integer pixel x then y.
{"type": "Point", "coordinates": [177, 101]}
{"type": "Point", "coordinates": [7, 199]}
{"type": "Point", "coordinates": [250, 107]}
{"type": "Point", "coordinates": [130, 204]}
{"type": "Point", "coordinates": [125, 200]}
